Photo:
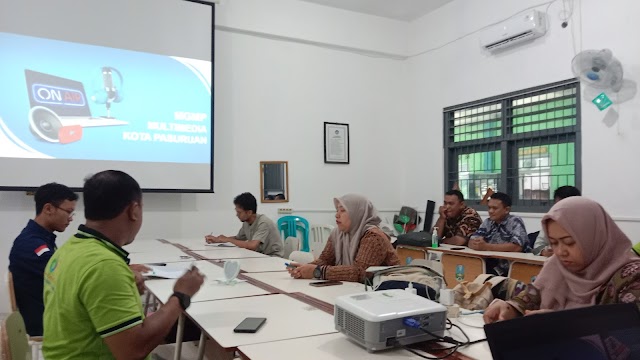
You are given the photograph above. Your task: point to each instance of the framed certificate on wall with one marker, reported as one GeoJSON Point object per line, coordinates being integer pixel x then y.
{"type": "Point", "coordinates": [336, 143]}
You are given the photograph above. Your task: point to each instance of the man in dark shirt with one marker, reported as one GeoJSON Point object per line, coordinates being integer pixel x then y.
{"type": "Point", "coordinates": [32, 249]}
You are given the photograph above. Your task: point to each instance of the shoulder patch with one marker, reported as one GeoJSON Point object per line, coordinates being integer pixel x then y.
{"type": "Point", "coordinates": [41, 250]}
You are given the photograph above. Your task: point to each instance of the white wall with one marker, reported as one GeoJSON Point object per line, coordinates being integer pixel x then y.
{"type": "Point", "coordinates": [271, 99]}
{"type": "Point", "coordinates": [462, 72]}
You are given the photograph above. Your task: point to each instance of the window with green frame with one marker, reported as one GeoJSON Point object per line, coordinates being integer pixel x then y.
{"type": "Point", "coordinates": [525, 144]}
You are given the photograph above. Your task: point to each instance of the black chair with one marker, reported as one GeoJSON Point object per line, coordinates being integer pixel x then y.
{"type": "Point", "coordinates": [532, 238]}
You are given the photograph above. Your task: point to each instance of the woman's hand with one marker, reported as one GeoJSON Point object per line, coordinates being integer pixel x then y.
{"type": "Point", "coordinates": [534, 312]}
{"type": "Point", "coordinates": [499, 310]}
{"type": "Point", "coordinates": [302, 271]}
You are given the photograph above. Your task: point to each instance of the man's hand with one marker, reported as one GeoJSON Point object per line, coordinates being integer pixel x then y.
{"type": "Point", "coordinates": [478, 244]}
{"type": "Point", "coordinates": [443, 212]}
{"type": "Point", "coordinates": [210, 239]}
{"type": "Point", "coordinates": [546, 252]}
{"type": "Point", "coordinates": [139, 268]}
{"type": "Point", "coordinates": [499, 310]}
{"type": "Point", "coordinates": [190, 282]}
{"type": "Point", "coordinates": [302, 271]}
{"type": "Point", "coordinates": [139, 282]}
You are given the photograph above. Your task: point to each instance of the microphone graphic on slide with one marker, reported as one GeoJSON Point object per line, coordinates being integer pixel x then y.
{"type": "Point", "coordinates": [111, 89]}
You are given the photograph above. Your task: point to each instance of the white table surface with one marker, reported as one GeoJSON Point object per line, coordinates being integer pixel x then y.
{"type": "Point", "coordinates": [283, 281]}
{"type": "Point", "coordinates": [146, 245]}
{"type": "Point", "coordinates": [210, 290]}
{"type": "Point", "coordinates": [162, 255]}
{"type": "Point", "coordinates": [229, 253]}
{"type": "Point", "coordinates": [322, 347]}
{"type": "Point", "coordinates": [196, 243]}
{"type": "Point", "coordinates": [479, 351]}
{"type": "Point", "coordinates": [262, 264]}
{"type": "Point", "coordinates": [287, 318]}
{"type": "Point", "coordinates": [338, 347]}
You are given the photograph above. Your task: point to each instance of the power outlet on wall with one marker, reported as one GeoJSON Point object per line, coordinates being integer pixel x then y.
{"type": "Point", "coordinates": [285, 211]}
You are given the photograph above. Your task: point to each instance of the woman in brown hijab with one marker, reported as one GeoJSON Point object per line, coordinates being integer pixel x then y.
{"type": "Point", "coordinates": [592, 264]}
{"type": "Point", "coordinates": [354, 245]}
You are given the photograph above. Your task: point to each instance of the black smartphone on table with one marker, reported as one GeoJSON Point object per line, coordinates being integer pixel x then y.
{"type": "Point", "coordinates": [325, 283]}
{"type": "Point", "coordinates": [250, 325]}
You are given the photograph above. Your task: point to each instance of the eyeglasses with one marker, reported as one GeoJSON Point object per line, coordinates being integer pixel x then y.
{"type": "Point", "coordinates": [71, 213]}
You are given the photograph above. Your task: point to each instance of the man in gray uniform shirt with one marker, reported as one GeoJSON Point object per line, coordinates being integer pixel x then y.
{"type": "Point", "coordinates": [258, 232]}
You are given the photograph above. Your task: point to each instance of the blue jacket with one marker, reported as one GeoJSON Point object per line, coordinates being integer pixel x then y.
{"type": "Point", "coordinates": [29, 255]}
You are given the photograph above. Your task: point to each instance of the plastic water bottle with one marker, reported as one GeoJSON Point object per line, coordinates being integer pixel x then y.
{"type": "Point", "coordinates": [434, 238]}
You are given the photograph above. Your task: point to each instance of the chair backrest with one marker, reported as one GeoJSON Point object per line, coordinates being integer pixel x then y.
{"type": "Point", "coordinates": [301, 257]}
{"type": "Point", "coordinates": [12, 292]}
{"type": "Point", "coordinates": [457, 268]}
{"type": "Point", "coordinates": [15, 344]}
{"type": "Point", "coordinates": [435, 265]}
{"type": "Point", "coordinates": [289, 226]}
{"type": "Point", "coordinates": [524, 272]}
{"type": "Point", "coordinates": [291, 244]}
{"type": "Point", "coordinates": [319, 238]}
{"type": "Point", "coordinates": [407, 254]}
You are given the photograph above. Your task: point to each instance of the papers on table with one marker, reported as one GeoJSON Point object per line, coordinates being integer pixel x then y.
{"type": "Point", "coordinates": [227, 244]}
{"type": "Point", "coordinates": [166, 272]}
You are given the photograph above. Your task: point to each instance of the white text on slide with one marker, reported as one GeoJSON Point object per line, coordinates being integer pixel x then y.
{"type": "Point", "coordinates": [191, 128]}
{"type": "Point", "coordinates": [189, 116]}
{"type": "Point", "coordinates": [167, 138]}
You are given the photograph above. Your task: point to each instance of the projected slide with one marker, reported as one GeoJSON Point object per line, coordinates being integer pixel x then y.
{"type": "Point", "coordinates": [64, 100]}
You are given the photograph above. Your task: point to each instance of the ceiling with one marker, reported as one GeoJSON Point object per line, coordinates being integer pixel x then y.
{"type": "Point", "coordinates": [405, 10]}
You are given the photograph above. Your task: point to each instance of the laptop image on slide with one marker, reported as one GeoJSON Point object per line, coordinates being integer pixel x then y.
{"type": "Point", "coordinates": [603, 332]}
{"type": "Point", "coordinates": [66, 98]}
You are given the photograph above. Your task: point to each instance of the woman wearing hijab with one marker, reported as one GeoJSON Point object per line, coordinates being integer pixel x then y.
{"type": "Point", "coordinates": [592, 264]}
{"type": "Point", "coordinates": [356, 244]}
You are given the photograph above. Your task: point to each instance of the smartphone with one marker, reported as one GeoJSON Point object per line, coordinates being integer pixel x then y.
{"type": "Point", "coordinates": [250, 325]}
{"type": "Point", "coordinates": [457, 248]}
{"type": "Point", "coordinates": [325, 283]}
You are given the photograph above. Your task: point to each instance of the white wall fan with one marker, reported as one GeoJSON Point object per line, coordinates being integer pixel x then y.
{"type": "Point", "coordinates": [601, 72]}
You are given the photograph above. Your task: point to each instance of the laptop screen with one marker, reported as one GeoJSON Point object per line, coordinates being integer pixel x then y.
{"type": "Point", "coordinates": [604, 332]}
{"type": "Point", "coordinates": [63, 96]}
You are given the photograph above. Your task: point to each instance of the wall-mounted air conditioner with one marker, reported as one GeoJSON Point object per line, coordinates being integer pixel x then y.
{"type": "Point", "coordinates": [526, 26]}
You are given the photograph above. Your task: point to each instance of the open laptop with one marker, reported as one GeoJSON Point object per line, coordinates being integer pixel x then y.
{"type": "Point", "coordinates": [603, 332]}
{"type": "Point", "coordinates": [66, 98]}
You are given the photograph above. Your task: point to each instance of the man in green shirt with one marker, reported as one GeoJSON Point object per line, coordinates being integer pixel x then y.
{"type": "Point", "coordinates": [92, 304]}
{"type": "Point", "coordinates": [636, 248]}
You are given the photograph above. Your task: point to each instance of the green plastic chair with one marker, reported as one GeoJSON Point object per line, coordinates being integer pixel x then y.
{"type": "Point", "coordinates": [289, 225]}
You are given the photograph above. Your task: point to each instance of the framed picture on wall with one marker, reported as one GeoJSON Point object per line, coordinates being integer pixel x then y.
{"type": "Point", "coordinates": [336, 143]}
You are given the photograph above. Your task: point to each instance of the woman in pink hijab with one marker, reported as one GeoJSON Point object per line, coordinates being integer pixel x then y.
{"type": "Point", "coordinates": [354, 245]}
{"type": "Point", "coordinates": [592, 264]}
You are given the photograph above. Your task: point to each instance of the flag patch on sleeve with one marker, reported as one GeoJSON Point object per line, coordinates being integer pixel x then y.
{"type": "Point", "coordinates": [41, 250]}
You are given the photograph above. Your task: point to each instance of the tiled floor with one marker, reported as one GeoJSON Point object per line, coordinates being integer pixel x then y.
{"type": "Point", "coordinates": [165, 352]}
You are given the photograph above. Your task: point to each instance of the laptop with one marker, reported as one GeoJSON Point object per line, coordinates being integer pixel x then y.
{"type": "Point", "coordinates": [602, 332]}
{"type": "Point", "coordinates": [66, 98]}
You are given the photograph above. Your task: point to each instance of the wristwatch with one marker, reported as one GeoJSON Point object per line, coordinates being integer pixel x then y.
{"type": "Point", "coordinates": [317, 273]}
{"type": "Point", "coordinates": [183, 299]}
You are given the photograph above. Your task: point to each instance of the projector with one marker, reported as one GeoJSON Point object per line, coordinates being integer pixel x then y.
{"type": "Point", "coordinates": [378, 320]}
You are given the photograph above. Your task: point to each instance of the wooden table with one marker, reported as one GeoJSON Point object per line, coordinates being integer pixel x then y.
{"type": "Point", "coordinates": [467, 264]}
